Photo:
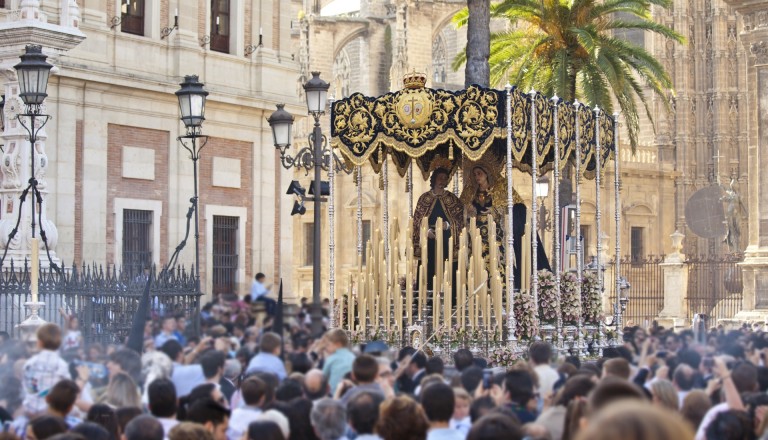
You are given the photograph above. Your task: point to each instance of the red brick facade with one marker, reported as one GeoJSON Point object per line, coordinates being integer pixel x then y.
{"type": "Point", "coordinates": [120, 187]}
{"type": "Point", "coordinates": [239, 197]}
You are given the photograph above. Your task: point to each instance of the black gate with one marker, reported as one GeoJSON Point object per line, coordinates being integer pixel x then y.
{"type": "Point", "coordinates": [715, 287]}
{"type": "Point", "coordinates": [104, 300]}
{"type": "Point", "coordinates": [137, 237]}
{"type": "Point", "coordinates": [646, 294]}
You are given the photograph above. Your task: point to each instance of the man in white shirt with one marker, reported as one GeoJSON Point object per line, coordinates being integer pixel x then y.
{"type": "Point", "coordinates": [541, 355]}
{"type": "Point", "coordinates": [438, 402]}
{"type": "Point", "coordinates": [253, 391]}
{"type": "Point", "coordinates": [259, 292]}
{"type": "Point", "coordinates": [162, 404]}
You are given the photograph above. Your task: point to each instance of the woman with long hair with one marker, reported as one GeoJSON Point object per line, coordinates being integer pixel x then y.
{"type": "Point", "coordinates": [122, 391]}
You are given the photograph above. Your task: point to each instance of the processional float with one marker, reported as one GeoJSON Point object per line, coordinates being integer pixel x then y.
{"type": "Point", "coordinates": [456, 129]}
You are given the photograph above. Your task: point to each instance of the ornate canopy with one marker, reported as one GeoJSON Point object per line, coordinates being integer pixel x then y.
{"type": "Point", "coordinates": [420, 124]}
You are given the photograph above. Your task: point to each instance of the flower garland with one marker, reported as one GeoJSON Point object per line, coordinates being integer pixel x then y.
{"type": "Point", "coordinates": [503, 357]}
{"type": "Point", "coordinates": [591, 297]}
{"type": "Point", "coordinates": [569, 297]}
{"type": "Point", "coordinates": [547, 296]}
{"type": "Point", "coordinates": [525, 308]}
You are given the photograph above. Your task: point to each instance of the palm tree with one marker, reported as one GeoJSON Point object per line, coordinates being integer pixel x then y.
{"type": "Point", "coordinates": [567, 48]}
{"type": "Point", "coordinates": [478, 42]}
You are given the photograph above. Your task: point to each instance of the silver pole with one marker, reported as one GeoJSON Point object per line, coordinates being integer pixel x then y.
{"type": "Point", "coordinates": [331, 240]}
{"type": "Point", "coordinates": [598, 205]}
{"type": "Point", "coordinates": [385, 215]}
{"type": "Point", "coordinates": [359, 183]}
{"type": "Point", "coordinates": [534, 245]}
{"type": "Point", "coordinates": [556, 210]}
{"type": "Point", "coordinates": [410, 191]}
{"type": "Point", "coordinates": [617, 191]}
{"type": "Point", "coordinates": [511, 321]}
{"type": "Point", "coordinates": [579, 249]}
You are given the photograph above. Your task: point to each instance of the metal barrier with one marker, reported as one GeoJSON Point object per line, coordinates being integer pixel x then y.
{"type": "Point", "coordinates": [646, 294]}
{"type": "Point", "coordinates": [715, 286]}
{"type": "Point", "coordinates": [104, 300]}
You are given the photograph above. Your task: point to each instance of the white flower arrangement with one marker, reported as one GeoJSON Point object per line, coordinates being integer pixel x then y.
{"type": "Point", "coordinates": [591, 297]}
{"type": "Point", "coordinates": [503, 357]}
{"type": "Point", "coordinates": [547, 296]}
{"type": "Point", "coordinates": [525, 309]}
{"type": "Point", "coordinates": [569, 297]}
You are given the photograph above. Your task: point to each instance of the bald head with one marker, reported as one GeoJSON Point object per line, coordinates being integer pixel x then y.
{"type": "Point", "coordinates": [315, 385]}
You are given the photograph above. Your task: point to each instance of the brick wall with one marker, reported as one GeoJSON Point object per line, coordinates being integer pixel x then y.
{"type": "Point", "coordinates": [248, 30]}
{"type": "Point", "coordinates": [213, 195]}
{"type": "Point", "coordinates": [202, 11]}
{"type": "Point", "coordinates": [78, 192]}
{"type": "Point", "coordinates": [120, 187]}
{"type": "Point", "coordinates": [110, 11]}
{"type": "Point", "coordinates": [165, 17]}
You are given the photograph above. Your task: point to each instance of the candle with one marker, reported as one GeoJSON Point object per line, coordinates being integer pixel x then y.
{"type": "Point", "coordinates": [447, 303]}
{"type": "Point", "coordinates": [435, 304]}
{"type": "Point", "coordinates": [423, 268]}
{"type": "Point", "coordinates": [217, 21]}
{"type": "Point", "coordinates": [372, 316]}
{"type": "Point", "coordinates": [422, 289]}
{"type": "Point", "coordinates": [35, 268]}
{"type": "Point", "coordinates": [470, 292]}
{"type": "Point", "coordinates": [176, 13]}
{"type": "Point", "coordinates": [398, 298]}
{"type": "Point", "coordinates": [261, 30]}
{"type": "Point", "coordinates": [438, 255]}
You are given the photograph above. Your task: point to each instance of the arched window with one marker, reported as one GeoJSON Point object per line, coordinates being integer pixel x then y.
{"type": "Point", "coordinates": [341, 70]}
{"type": "Point", "coordinates": [438, 60]}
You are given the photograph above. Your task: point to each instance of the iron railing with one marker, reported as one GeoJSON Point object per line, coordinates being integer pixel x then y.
{"type": "Point", "coordinates": [715, 286]}
{"type": "Point", "coordinates": [646, 294]}
{"type": "Point", "coordinates": [104, 300]}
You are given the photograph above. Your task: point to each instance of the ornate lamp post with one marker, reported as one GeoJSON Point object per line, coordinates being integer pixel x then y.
{"type": "Point", "coordinates": [316, 157]}
{"type": "Point", "coordinates": [192, 97]}
{"type": "Point", "coordinates": [33, 72]}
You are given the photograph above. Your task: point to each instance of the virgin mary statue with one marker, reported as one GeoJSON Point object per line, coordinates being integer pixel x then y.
{"type": "Point", "coordinates": [485, 196]}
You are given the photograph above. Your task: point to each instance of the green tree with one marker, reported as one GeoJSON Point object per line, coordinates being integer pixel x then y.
{"type": "Point", "coordinates": [568, 48]}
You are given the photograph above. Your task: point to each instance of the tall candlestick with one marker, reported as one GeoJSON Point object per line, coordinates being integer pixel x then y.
{"type": "Point", "coordinates": [435, 304]}
{"type": "Point", "coordinates": [35, 268]}
{"type": "Point", "coordinates": [470, 293]}
{"type": "Point", "coordinates": [424, 265]}
{"type": "Point", "coordinates": [447, 303]}
{"type": "Point", "coordinates": [409, 272]}
{"type": "Point", "coordinates": [422, 289]}
{"type": "Point", "coordinates": [438, 255]}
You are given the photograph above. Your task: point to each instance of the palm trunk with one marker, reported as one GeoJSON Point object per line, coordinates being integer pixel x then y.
{"type": "Point", "coordinates": [477, 70]}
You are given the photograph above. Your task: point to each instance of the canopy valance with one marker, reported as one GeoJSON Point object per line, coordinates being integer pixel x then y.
{"type": "Point", "coordinates": [421, 124]}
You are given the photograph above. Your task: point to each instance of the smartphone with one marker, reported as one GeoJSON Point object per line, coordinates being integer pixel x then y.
{"type": "Point", "coordinates": [487, 377]}
{"type": "Point", "coordinates": [661, 354]}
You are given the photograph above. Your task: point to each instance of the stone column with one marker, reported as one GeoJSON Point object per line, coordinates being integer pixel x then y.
{"type": "Point", "coordinates": [675, 314]}
{"type": "Point", "coordinates": [754, 36]}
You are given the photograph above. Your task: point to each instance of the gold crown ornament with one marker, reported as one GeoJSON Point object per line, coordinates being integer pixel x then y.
{"type": "Point", "coordinates": [414, 80]}
{"type": "Point", "coordinates": [440, 162]}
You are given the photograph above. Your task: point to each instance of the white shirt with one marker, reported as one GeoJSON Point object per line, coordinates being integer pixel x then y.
{"type": "Point", "coordinates": [241, 418]}
{"type": "Point", "coordinates": [41, 372]}
{"type": "Point", "coordinates": [547, 378]}
{"type": "Point", "coordinates": [168, 424]}
{"type": "Point", "coordinates": [257, 290]}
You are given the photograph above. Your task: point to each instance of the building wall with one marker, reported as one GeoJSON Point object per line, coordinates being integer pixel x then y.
{"type": "Point", "coordinates": [116, 90]}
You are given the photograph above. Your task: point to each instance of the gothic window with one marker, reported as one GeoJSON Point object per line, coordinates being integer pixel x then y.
{"type": "Point", "coordinates": [220, 25]}
{"type": "Point", "coordinates": [341, 70]}
{"type": "Point", "coordinates": [438, 61]}
{"type": "Point", "coordinates": [634, 36]}
{"type": "Point", "coordinates": [225, 255]}
{"type": "Point", "coordinates": [137, 240]}
{"type": "Point", "coordinates": [132, 13]}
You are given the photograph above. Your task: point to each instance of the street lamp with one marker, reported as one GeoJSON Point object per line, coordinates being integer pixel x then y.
{"type": "Point", "coordinates": [621, 304]}
{"type": "Point", "coordinates": [33, 72]}
{"type": "Point", "coordinates": [192, 97]}
{"type": "Point", "coordinates": [317, 157]}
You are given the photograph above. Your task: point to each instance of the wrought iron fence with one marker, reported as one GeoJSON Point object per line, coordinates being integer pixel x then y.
{"type": "Point", "coordinates": [104, 300]}
{"type": "Point", "coordinates": [646, 294]}
{"type": "Point", "coordinates": [715, 287]}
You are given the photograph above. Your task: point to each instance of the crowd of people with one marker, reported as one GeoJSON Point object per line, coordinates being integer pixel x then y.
{"type": "Point", "coordinates": [244, 379]}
